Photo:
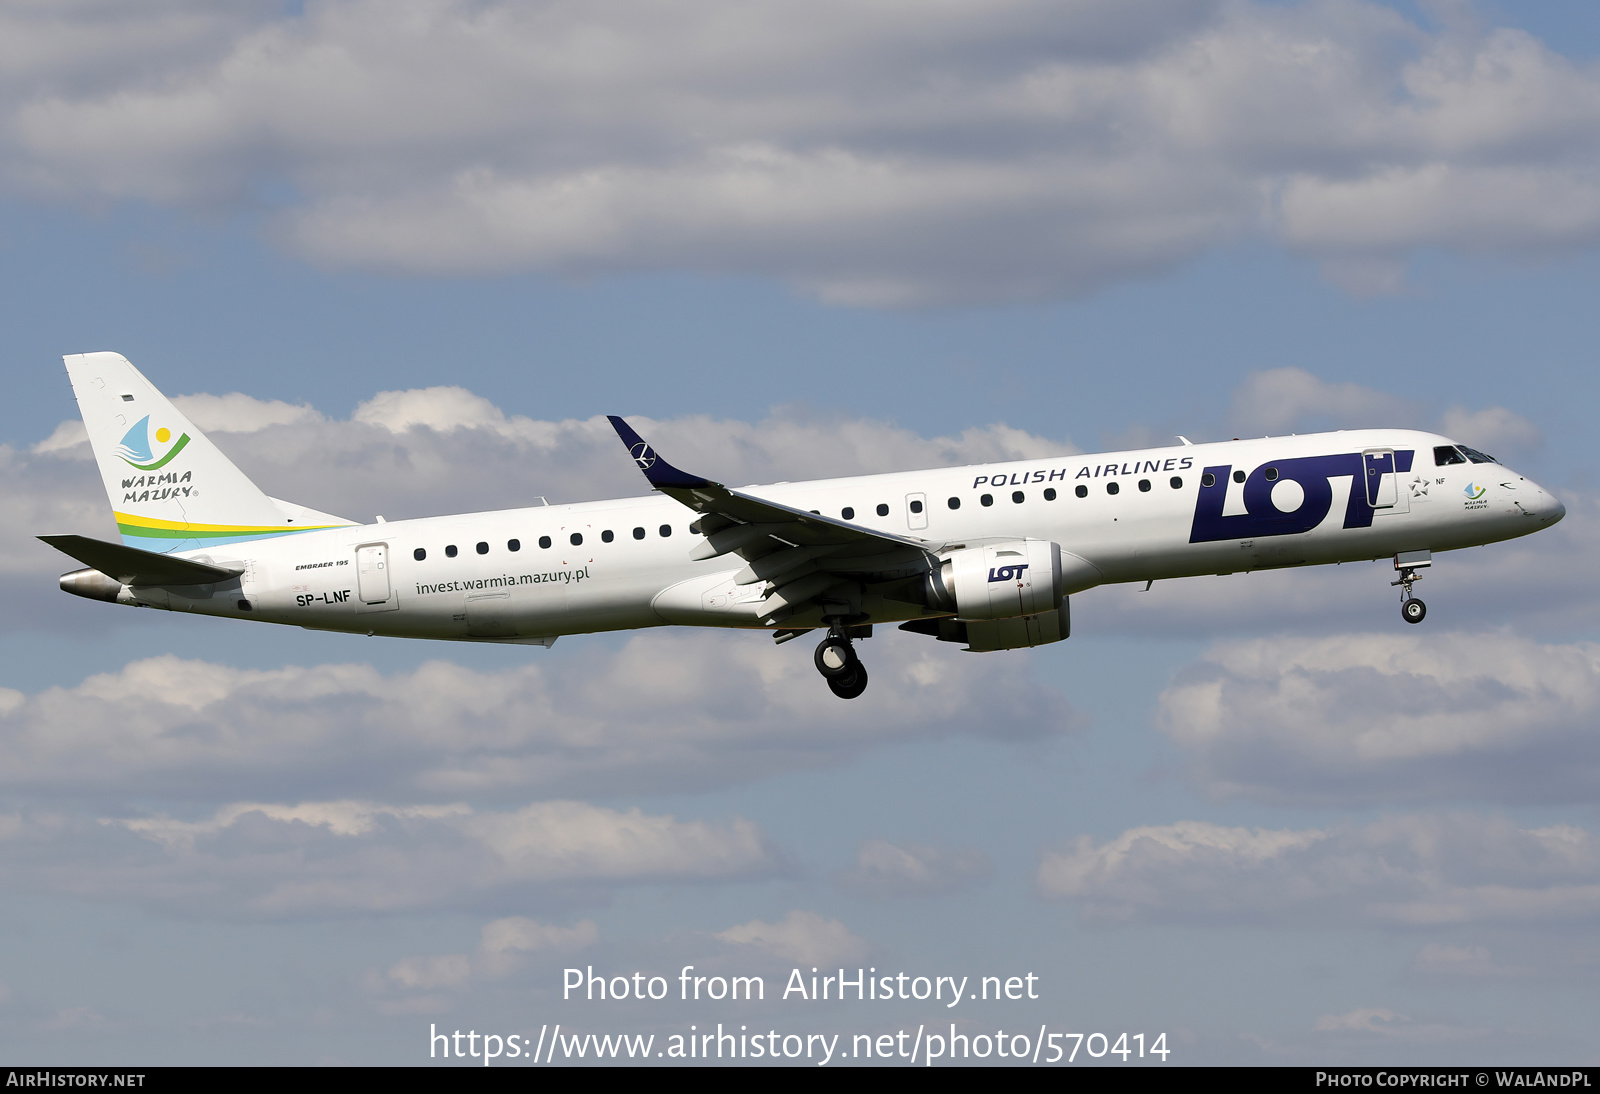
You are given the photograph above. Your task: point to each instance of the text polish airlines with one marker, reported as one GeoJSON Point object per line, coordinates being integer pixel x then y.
{"type": "Point", "coordinates": [985, 556]}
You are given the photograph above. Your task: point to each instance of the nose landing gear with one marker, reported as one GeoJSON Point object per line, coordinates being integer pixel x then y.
{"type": "Point", "coordinates": [1407, 563]}
{"type": "Point", "coordinates": [837, 661]}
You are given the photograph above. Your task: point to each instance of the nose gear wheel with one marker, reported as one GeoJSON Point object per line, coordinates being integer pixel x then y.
{"type": "Point", "coordinates": [1412, 610]}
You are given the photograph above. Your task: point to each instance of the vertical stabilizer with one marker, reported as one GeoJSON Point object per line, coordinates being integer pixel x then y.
{"type": "Point", "coordinates": [170, 487]}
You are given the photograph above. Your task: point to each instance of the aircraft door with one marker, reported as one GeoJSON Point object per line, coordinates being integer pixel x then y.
{"type": "Point", "coordinates": [372, 573]}
{"type": "Point", "coordinates": [916, 511]}
{"type": "Point", "coordinates": [1378, 464]}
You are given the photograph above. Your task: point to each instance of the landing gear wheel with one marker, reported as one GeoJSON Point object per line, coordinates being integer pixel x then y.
{"type": "Point", "coordinates": [1413, 610]}
{"type": "Point", "coordinates": [851, 684]}
{"type": "Point", "coordinates": [834, 658]}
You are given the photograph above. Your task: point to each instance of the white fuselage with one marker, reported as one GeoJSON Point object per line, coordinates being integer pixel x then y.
{"type": "Point", "coordinates": [485, 576]}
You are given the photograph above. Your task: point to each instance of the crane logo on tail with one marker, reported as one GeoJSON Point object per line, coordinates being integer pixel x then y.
{"type": "Point", "coordinates": [643, 455]}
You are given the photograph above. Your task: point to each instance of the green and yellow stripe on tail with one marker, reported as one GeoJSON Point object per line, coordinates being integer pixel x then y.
{"type": "Point", "coordinates": [163, 536]}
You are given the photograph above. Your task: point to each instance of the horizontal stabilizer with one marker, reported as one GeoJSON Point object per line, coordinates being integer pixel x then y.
{"type": "Point", "coordinates": [132, 566]}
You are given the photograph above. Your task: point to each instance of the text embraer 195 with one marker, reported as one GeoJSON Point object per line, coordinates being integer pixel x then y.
{"type": "Point", "coordinates": [985, 556]}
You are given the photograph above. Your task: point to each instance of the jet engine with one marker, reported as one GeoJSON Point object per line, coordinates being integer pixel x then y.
{"type": "Point", "coordinates": [998, 580]}
{"type": "Point", "coordinates": [1005, 595]}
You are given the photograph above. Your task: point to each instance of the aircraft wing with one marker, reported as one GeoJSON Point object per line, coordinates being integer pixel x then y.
{"type": "Point", "coordinates": [803, 557]}
{"type": "Point", "coordinates": [131, 566]}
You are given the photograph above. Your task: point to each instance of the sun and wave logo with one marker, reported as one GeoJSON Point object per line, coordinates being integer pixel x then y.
{"type": "Point", "coordinates": [136, 451]}
{"type": "Point", "coordinates": [1474, 491]}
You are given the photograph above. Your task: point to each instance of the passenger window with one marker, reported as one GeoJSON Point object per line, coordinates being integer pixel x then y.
{"type": "Point", "coordinates": [1082, 491]}
{"type": "Point", "coordinates": [607, 536]}
{"type": "Point", "coordinates": [1144, 486]}
{"type": "Point", "coordinates": [916, 506]}
{"type": "Point", "coordinates": [1016, 497]}
{"type": "Point", "coordinates": [1177, 482]}
{"type": "Point", "coordinates": [450, 551]}
{"type": "Point", "coordinates": [419, 554]}
{"type": "Point", "coordinates": [576, 539]}
{"type": "Point", "coordinates": [544, 542]}
{"type": "Point", "coordinates": [1049, 493]}
{"type": "Point", "coordinates": [954, 503]}
{"type": "Point", "coordinates": [638, 533]}
{"type": "Point", "coordinates": [1208, 479]}
{"type": "Point", "coordinates": [513, 545]}
{"type": "Point", "coordinates": [1238, 476]}
{"type": "Point", "coordinates": [1446, 454]}
{"type": "Point", "coordinates": [666, 530]}
{"type": "Point", "coordinates": [987, 499]}
{"type": "Point", "coordinates": [1112, 488]}
{"type": "Point", "coordinates": [848, 513]}
{"type": "Point", "coordinates": [483, 548]}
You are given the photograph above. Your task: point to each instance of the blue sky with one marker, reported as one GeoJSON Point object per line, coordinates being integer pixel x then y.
{"type": "Point", "coordinates": [803, 246]}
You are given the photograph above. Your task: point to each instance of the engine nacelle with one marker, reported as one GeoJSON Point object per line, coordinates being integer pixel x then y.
{"type": "Point", "coordinates": [999, 580]}
{"type": "Point", "coordinates": [986, 635]}
{"type": "Point", "coordinates": [1005, 596]}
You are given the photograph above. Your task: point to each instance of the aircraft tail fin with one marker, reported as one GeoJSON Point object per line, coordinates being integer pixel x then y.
{"type": "Point", "coordinates": [170, 488]}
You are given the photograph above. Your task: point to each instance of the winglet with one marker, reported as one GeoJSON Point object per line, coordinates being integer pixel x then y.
{"type": "Point", "coordinates": [662, 475]}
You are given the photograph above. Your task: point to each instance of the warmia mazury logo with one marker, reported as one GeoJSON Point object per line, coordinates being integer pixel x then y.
{"type": "Point", "coordinates": [1474, 491]}
{"type": "Point", "coordinates": [135, 446]}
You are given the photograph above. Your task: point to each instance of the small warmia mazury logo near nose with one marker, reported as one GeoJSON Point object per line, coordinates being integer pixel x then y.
{"type": "Point", "coordinates": [1474, 491]}
{"type": "Point", "coordinates": [135, 450]}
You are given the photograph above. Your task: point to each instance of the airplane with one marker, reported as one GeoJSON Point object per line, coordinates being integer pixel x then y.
{"type": "Point", "coordinates": [986, 556]}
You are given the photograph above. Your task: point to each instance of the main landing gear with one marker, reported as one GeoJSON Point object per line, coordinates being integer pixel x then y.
{"type": "Point", "coordinates": [1407, 564]}
{"type": "Point", "coordinates": [837, 661]}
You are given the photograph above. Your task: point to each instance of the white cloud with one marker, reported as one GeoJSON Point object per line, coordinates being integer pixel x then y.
{"type": "Point", "coordinates": [1400, 872]}
{"type": "Point", "coordinates": [800, 937]}
{"type": "Point", "coordinates": [1384, 1025]}
{"type": "Point", "coordinates": [884, 869]}
{"type": "Point", "coordinates": [871, 153]}
{"type": "Point", "coordinates": [1281, 399]}
{"type": "Point", "coordinates": [239, 413]}
{"type": "Point", "coordinates": [447, 971]}
{"type": "Point", "coordinates": [440, 408]}
{"type": "Point", "coordinates": [658, 713]}
{"type": "Point", "coordinates": [1364, 1019]}
{"type": "Point", "coordinates": [504, 940]}
{"type": "Point", "coordinates": [1494, 429]}
{"type": "Point", "coordinates": [321, 859]}
{"type": "Point", "coordinates": [428, 984]}
{"type": "Point", "coordinates": [1387, 717]}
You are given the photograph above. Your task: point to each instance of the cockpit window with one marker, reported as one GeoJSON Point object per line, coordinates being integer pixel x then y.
{"type": "Point", "coordinates": [1446, 454]}
{"type": "Point", "coordinates": [1478, 457]}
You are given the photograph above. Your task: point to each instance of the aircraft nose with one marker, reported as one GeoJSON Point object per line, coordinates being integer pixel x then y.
{"type": "Point", "coordinates": [1549, 509]}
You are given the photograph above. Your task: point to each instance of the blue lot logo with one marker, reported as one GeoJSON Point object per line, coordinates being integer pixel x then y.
{"type": "Point", "coordinates": [1313, 473]}
{"type": "Point", "coordinates": [1007, 573]}
{"type": "Point", "coordinates": [643, 455]}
